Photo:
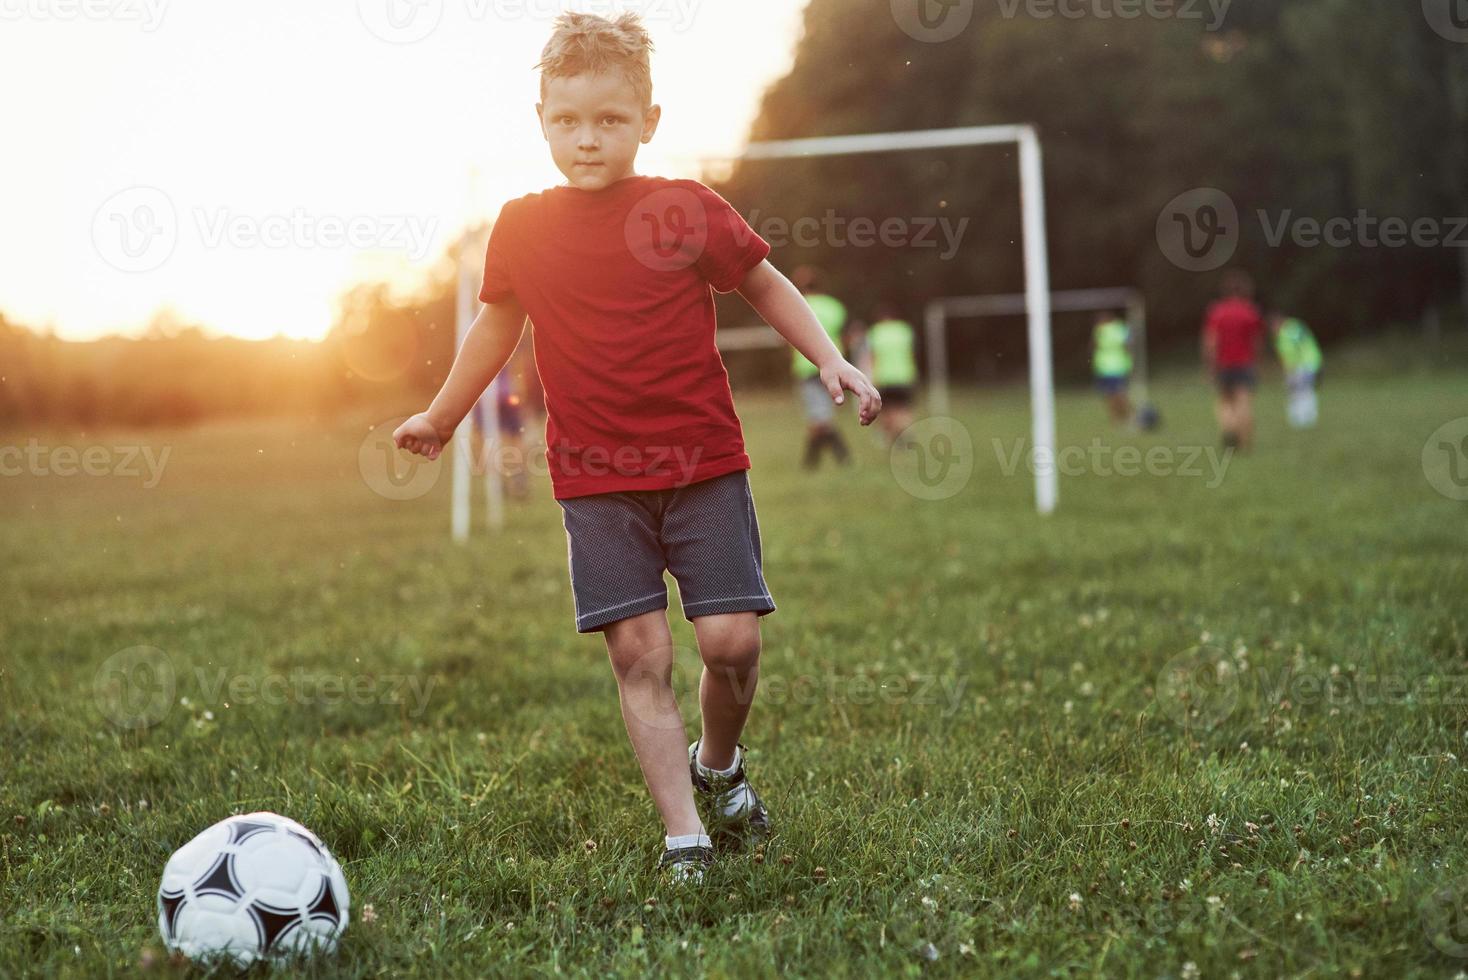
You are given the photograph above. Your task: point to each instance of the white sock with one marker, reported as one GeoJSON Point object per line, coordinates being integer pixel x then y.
{"type": "Point", "coordinates": [718, 772]}
{"type": "Point", "coordinates": [699, 839]}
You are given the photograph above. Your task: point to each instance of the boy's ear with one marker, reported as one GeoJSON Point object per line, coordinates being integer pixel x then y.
{"type": "Point", "coordinates": [650, 120]}
{"type": "Point", "coordinates": [540, 118]}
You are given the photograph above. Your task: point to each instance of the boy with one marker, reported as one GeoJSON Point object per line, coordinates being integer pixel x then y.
{"type": "Point", "coordinates": [1111, 360]}
{"type": "Point", "coordinates": [1232, 331]}
{"type": "Point", "coordinates": [616, 271]}
{"type": "Point", "coordinates": [894, 368]}
{"type": "Point", "coordinates": [1299, 355]}
{"type": "Point", "coordinates": [820, 420]}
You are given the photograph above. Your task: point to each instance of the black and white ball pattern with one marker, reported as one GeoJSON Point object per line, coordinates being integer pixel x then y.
{"type": "Point", "coordinates": [250, 887]}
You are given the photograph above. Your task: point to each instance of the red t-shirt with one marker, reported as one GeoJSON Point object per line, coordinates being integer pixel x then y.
{"type": "Point", "coordinates": [1236, 328]}
{"type": "Point", "coordinates": [618, 284]}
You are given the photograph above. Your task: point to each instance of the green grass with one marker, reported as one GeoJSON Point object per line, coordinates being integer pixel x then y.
{"type": "Point", "coordinates": [959, 723]}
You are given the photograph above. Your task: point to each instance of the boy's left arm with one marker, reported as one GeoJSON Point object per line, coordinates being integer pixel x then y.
{"type": "Point", "coordinates": [776, 299]}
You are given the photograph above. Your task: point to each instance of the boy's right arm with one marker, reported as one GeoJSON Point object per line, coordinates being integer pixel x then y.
{"type": "Point", "coordinates": [487, 347]}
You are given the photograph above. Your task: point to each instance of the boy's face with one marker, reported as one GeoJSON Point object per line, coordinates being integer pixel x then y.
{"type": "Point", "coordinates": [595, 125]}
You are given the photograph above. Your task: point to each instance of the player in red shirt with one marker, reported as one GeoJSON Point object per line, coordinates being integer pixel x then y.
{"type": "Point", "coordinates": [1233, 331]}
{"type": "Point", "coordinates": [617, 272]}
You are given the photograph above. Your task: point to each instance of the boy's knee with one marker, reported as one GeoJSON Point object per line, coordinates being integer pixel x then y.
{"type": "Point", "coordinates": [731, 647]}
{"type": "Point", "coordinates": [639, 650]}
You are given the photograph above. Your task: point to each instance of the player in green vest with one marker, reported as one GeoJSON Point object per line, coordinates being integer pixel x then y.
{"type": "Point", "coordinates": [1299, 355]}
{"type": "Point", "coordinates": [820, 415]}
{"type": "Point", "coordinates": [889, 344]}
{"type": "Point", "coordinates": [1111, 361]}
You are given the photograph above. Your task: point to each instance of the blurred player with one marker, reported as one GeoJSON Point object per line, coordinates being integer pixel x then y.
{"type": "Point", "coordinates": [1111, 360]}
{"type": "Point", "coordinates": [1299, 355]}
{"type": "Point", "coordinates": [1232, 332]}
{"type": "Point", "coordinates": [889, 342]}
{"type": "Point", "coordinates": [820, 415]}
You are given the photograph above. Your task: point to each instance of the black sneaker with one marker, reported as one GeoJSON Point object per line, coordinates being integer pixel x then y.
{"type": "Point", "coordinates": [686, 864]}
{"type": "Point", "coordinates": [750, 825]}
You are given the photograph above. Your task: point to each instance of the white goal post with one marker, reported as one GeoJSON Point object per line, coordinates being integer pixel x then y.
{"type": "Point", "coordinates": [940, 311]}
{"type": "Point", "coordinates": [1036, 249]}
{"type": "Point", "coordinates": [466, 308]}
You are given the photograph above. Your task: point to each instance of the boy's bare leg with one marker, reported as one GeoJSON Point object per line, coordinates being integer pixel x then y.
{"type": "Point", "coordinates": [641, 651]}
{"type": "Point", "coordinates": [729, 645]}
{"type": "Point", "coordinates": [1244, 418]}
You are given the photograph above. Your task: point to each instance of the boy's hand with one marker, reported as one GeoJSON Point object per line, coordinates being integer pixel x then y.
{"type": "Point", "coordinates": [841, 374]}
{"type": "Point", "coordinates": [421, 436]}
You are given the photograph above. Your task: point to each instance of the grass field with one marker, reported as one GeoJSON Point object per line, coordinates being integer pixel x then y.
{"type": "Point", "coordinates": [1186, 726]}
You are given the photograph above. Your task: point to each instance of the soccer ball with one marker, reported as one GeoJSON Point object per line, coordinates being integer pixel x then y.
{"type": "Point", "coordinates": [252, 886]}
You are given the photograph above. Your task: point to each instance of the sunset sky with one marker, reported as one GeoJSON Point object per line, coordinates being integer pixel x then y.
{"type": "Point", "coordinates": [245, 164]}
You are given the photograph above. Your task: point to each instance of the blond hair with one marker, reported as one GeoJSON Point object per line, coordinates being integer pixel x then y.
{"type": "Point", "coordinates": [588, 44]}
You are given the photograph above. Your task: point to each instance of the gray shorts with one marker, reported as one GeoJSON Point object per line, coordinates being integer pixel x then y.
{"type": "Point", "coordinates": [816, 400]}
{"type": "Point", "coordinates": [705, 533]}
